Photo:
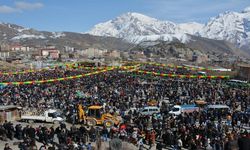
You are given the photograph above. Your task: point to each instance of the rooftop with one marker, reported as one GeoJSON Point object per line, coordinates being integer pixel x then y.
{"type": "Point", "coordinates": [244, 65]}
{"type": "Point", "coordinates": [6, 107]}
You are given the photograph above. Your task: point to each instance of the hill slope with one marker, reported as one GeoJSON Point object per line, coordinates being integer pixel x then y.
{"type": "Point", "coordinates": [10, 33]}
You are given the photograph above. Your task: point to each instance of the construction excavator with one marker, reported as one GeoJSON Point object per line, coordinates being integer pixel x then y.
{"type": "Point", "coordinates": [95, 115]}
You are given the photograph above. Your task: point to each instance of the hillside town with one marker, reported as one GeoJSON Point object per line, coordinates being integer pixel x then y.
{"type": "Point", "coordinates": [37, 57]}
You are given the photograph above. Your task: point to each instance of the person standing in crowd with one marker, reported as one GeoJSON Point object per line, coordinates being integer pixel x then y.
{"type": "Point", "coordinates": [7, 147]}
{"type": "Point", "coordinates": [244, 141]}
{"type": "Point", "coordinates": [140, 143]}
{"type": "Point", "coordinates": [118, 92]}
{"type": "Point", "coordinates": [231, 144]}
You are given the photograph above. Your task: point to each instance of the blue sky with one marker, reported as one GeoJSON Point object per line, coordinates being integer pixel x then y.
{"type": "Point", "coordinates": [81, 15]}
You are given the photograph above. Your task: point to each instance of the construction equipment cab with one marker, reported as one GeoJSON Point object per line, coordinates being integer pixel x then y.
{"type": "Point", "coordinates": [96, 116]}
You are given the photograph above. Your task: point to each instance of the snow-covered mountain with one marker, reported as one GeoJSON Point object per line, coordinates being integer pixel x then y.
{"type": "Point", "coordinates": [134, 27]}
{"type": "Point", "coordinates": [15, 32]}
{"type": "Point", "coordinates": [191, 27]}
{"type": "Point", "coordinates": [134, 24]}
{"type": "Point", "coordinates": [229, 26]}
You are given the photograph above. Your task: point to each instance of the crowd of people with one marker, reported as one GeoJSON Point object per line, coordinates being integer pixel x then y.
{"type": "Point", "coordinates": [124, 93]}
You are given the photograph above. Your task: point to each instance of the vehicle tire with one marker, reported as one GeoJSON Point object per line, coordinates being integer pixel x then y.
{"type": "Point", "coordinates": [56, 122]}
{"type": "Point", "coordinates": [91, 122]}
{"type": "Point", "coordinates": [108, 123]}
{"type": "Point", "coordinates": [30, 121]}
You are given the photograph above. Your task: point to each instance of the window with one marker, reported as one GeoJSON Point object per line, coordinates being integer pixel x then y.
{"type": "Point", "coordinates": [50, 115]}
{"type": "Point", "coordinates": [175, 109]}
{"type": "Point", "coordinates": [53, 115]}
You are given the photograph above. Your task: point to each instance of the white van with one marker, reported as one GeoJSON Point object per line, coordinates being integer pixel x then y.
{"type": "Point", "coordinates": [149, 110]}
{"type": "Point", "coordinates": [223, 110]}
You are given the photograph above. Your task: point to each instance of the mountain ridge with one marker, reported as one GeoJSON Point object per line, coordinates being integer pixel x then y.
{"type": "Point", "coordinates": [233, 27]}
{"type": "Point", "coordinates": [12, 34]}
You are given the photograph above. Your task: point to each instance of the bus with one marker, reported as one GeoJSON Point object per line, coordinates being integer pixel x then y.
{"type": "Point", "coordinates": [237, 83]}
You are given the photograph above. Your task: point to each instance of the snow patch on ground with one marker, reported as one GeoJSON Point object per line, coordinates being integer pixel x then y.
{"type": "Point", "coordinates": [22, 29]}
{"type": "Point", "coordinates": [26, 36]}
{"type": "Point", "coordinates": [57, 35]}
{"type": "Point", "coordinates": [184, 38]}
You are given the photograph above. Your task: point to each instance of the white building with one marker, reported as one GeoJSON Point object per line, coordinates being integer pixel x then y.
{"type": "Point", "coordinates": [93, 52]}
{"type": "Point", "coordinates": [4, 54]}
{"type": "Point", "coordinates": [20, 48]}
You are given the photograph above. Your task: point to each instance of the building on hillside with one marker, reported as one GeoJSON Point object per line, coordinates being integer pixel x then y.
{"type": "Point", "coordinates": [244, 71]}
{"type": "Point", "coordinates": [20, 48]}
{"type": "Point", "coordinates": [69, 49]}
{"type": "Point", "coordinates": [199, 58]}
{"type": "Point", "coordinates": [52, 53]}
{"type": "Point", "coordinates": [4, 54]}
{"type": "Point", "coordinates": [114, 54]}
{"type": "Point", "coordinates": [4, 47]}
{"type": "Point", "coordinates": [93, 52]}
{"type": "Point", "coordinates": [139, 55]}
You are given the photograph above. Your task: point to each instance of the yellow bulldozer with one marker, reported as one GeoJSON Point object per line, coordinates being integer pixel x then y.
{"type": "Point", "coordinates": [95, 116]}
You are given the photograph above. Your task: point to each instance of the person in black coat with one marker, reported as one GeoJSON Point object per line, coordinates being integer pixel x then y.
{"type": "Point", "coordinates": [159, 146]}
{"type": "Point", "coordinates": [31, 132]}
{"type": "Point", "coordinates": [244, 142]}
{"type": "Point", "coordinates": [231, 144]}
{"type": "Point", "coordinates": [7, 147]}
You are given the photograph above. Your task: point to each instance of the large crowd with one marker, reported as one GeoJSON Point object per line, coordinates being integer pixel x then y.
{"type": "Point", "coordinates": [123, 94]}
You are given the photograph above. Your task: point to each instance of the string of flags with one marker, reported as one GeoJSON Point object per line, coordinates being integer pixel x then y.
{"type": "Point", "coordinates": [174, 66]}
{"type": "Point", "coordinates": [57, 79]}
{"type": "Point", "coordinates": [76, 66]}
{"type": "Point", "coordinates": [105, 69]}
{"type": "Point", "coordinates": [181, 76]}
{"type": "Point", "coordinates": [129, 69]}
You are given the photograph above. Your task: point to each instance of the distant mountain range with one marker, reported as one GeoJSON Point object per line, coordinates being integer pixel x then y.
{"type": "Point", "coordinates": [11, 33]}
{"type": "Point", "coordinates": [233, 27]}
{"type": "Point", "coordinates": [228, 33]}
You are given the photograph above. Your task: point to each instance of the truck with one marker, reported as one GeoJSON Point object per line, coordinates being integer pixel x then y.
{"type": "Point", "coordinates": [50, 116]}
{"type": "Point", "coordinates": [179, 109]}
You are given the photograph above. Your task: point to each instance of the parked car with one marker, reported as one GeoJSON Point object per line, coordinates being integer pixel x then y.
{"type": "Point", "coordinates": [149, 110]}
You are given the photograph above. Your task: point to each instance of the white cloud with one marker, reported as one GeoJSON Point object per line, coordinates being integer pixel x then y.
{"type": "Point", "coordinates": [6, 9]}
{"type": "Point", "coordinates": [28, 6]}
{"type": "Point", "coordinates": [20, 7]}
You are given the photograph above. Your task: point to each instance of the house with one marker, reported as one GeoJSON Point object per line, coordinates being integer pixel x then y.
{"type": "Point", "coordinates": [93, 52]}
{"type": "Point", "coordinates": [50, 52]}
{"type": "Point", "coordinates": [244, 71]}
{"type": "Point", "coordinates": [114, 54]}
{"type": "Point", "coordinates": [20, 48]}
{"type": "Point", "coordinates": [4, 47]}
{"type": "Point", "coordinates": [69, 49]}
{"type": "Point", "coordinates": [4, 54]}
{"type": "Point", "coordinates": [139, 55]}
